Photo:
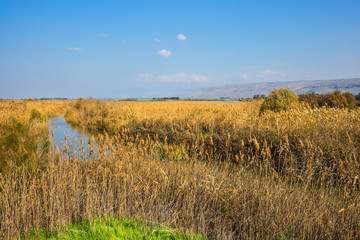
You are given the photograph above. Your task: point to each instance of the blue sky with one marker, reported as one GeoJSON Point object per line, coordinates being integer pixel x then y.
{"type": "Point", "coordinates": [110, 49]}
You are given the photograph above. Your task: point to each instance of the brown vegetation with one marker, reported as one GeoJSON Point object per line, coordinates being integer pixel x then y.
{"type": "Point", "coordinates": [24, 138]}
{"type": "Point", "coordinates": [215, 168]}
{"type": "Point", "coordinates": [317, 145]}
{"type": "Point", "coordinates": [222, 201]}
{"type": "Point", "coordinates": [337, 99]}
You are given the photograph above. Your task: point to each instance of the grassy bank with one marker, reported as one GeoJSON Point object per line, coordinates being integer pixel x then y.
{"type": "Point", "coordinates": [112, 228]}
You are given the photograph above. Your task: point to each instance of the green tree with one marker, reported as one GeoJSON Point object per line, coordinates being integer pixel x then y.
{"type": "Point", "coordinates": [357, 97]}
{"type": "Point", "coordinates": [279, 100]}
{"type": "Point", "coordinates": [350, 98]}
{"type": "Point", "coordinates": [337, 100]}
{"type": "Point", "coordinates": [311, 98]}
{"type": "Point", "coordinates": [256, 96]}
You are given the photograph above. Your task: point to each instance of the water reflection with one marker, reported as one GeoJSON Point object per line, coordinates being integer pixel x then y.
{"type": "Point", "coordinates": [76, 137]}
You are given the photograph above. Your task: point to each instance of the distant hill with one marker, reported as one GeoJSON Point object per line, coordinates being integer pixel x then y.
{"type": "Point", "coordinates": [247, 90]}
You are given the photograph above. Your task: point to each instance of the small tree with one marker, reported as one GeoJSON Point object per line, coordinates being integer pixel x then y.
{"type": "Point", "coordinates": [310, 98]}
{"type": "Point", "coordinates": [357, 97]}
{"type": "Point", "coordinates": [280, 100]}
{"type": "Point", "coordinates": [350, 98]}
{"type": "Point", "coordinates": [337, 100]}
{"type": "Point", "coordinates": [256, 96]}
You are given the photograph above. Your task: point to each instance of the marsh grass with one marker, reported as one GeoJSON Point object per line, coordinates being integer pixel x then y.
{"type": "Point", "coordinates": [218, 170]}
{"type": "Point", "coordinates": [221, 201]}
{"type": "Point", "coordinates": [24, 138]}
{"type": "Point", "coordinates": [320, 146]}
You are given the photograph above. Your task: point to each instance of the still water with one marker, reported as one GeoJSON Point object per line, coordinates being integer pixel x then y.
{"type": "Point", "coordinates": [59, 128]}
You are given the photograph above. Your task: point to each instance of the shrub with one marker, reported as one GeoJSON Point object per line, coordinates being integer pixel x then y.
{"type": "Point", "coordinates": [280, 100]}
{"type": "Point", "coordinates": [310, 98]}
{"type": "Point", "coordinates": [21, 145]}
{"type": "Point", "coordinates": [334, 100]}
{"type": "Point", "coordinates": [337, 100]}
{"type": "Point", "coordinates": [36, 115]}
{"type": "Point", "coordinates": [79, 103]}
{"type": "Point", "coordinates": [350, 98]}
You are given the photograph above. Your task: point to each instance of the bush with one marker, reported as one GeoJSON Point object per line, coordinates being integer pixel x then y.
{"type": "Point", "coordinates": [337, 100]}
{"type": "Point", "coordinates": [79, 103]}
{"type": "Point", "coordinates": [334, 100]}
{"type": "Point", "coordinates": [350, 98]}
{"type": "Point", "coordinates": [280, 100]}
{"type": "Point", "coordinates": [311, 98]}
{"type": "Point", "coordinates": [36, 115]}
{"type": "Point", "coordinates": [21, 145]}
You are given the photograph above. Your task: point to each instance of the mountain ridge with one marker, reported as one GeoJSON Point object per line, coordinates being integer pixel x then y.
{"type": "Point", "coordinates": [246, 90]}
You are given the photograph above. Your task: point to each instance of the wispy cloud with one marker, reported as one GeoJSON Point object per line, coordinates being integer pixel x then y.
{"type": "Point", "coordinates": [144, 77]}
{"type": "Point", "coordinates": [182, 77]}
{"type": "Point", "coordinates": [157, 40]}
{"type": "Point", "coordinates": [271, 75]}
{"type": "Point", "coordinates": [103, 34]}
{"type": "Point", "coordinates": [164, 53]}
{"type": "Point", "coordinates": [76, 49]}
{"type": "Point", "coordinates": [244, 76]}
{"type": "Point", "coordinates": [179, 77]}
{"type": "Point", "coordinates": [181, 37]}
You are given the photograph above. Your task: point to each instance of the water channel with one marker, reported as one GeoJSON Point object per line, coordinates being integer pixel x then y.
{"type": "Point", "coordinates": [59, 129]}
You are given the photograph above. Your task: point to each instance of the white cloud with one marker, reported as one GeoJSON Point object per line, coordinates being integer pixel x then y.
{"type": "Point", "coordinates": [271, 75]}
{"type": "Point", "coordinates": [182, 77]}
{"type": "Point", "coordinates": [164, 53]}
{"type": "Point", "coordinates": [179, 77]}
{"type": "Point", "coordinates": [244, 76]}
{"type": "Point", "coordinates": [103, 34]}
{"type": "Point", "coordinates": [144, 77]}
{"type": "Point", "coordinates": [181, 37]}
{"type": "Point", "coordinates": [76, 49]}
{"type": "Point", "coordinates": [157, 40]}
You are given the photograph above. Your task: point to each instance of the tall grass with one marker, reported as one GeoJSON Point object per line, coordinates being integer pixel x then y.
{"type": "Point", "coordinates": [222, 201]}
{"type": "Point", "coordinates": [24, 137]}
{"type": "Point", "coordinates": [218, 169]}
{"type": "Point", "coordinates": [321, 146]}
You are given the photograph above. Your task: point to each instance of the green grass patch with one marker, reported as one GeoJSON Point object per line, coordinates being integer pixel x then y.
{"type": "Point", "coordinates": [112, 228]}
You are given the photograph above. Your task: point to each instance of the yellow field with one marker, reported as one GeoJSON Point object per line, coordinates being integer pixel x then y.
{"type": "Point", "coordinates": [321, 145]}
{"type": "Point", "coordinates": [214, 168]}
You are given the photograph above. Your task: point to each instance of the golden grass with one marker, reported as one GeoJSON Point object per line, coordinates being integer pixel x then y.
{"type": "Point", "coordinates": [221, 201]}
{"type": "Point", "coordinates": [21, 109]}
{"type": "Point", "coordinates": [316, 145]}
{"type": "Point", "coordinates": [218, 169]}
{"type": "Point", "coordinates": [24, 137]}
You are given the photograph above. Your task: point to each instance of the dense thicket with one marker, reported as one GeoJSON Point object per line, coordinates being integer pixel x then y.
{"type": "Point", "coordinates": [337, 99]}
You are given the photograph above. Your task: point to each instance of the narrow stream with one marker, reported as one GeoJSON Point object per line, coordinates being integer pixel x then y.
{"type": "Point", "coordinates": [59, 128]}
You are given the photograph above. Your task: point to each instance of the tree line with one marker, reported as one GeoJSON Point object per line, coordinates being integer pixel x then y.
{"type": "Point", "coordinates": [284, 99]}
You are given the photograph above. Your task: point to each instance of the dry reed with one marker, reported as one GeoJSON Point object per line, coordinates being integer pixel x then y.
{"type": "Point", "coordinates": [222, 201]}
{"type": "Point", "coordinates": [213, 168]}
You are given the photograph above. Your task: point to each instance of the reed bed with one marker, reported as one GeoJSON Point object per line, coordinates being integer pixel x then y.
{"type": "Point", "coordinates": [321, 145]}
{"type": "Point", "coordinates": [221, 201]}
{"type": "Point", "coordinates": [217, 169]}
{"type": "Point", "coordinates": [24, 136]}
